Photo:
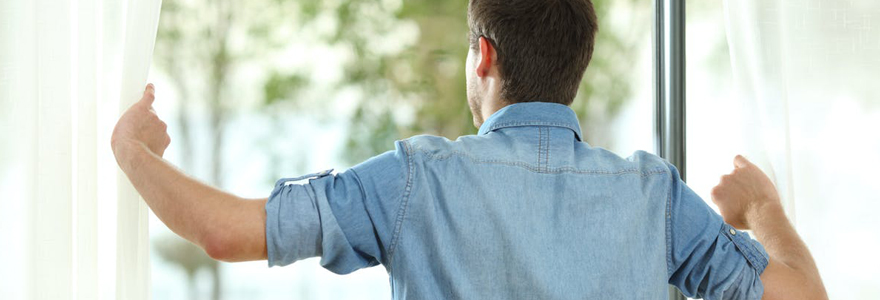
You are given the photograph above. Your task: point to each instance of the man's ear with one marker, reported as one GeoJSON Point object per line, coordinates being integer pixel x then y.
{"type": "Point", "coordinates": [486, 59]}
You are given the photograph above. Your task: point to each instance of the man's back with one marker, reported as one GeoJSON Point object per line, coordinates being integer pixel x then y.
{"type": "Point", "coordinates": [529, 211]}
{"type": "Point", "coordinates": [522, 210]}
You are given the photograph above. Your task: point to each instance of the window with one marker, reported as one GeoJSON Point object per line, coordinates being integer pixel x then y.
{"type": "Point", "coordinates": [787, 84]}
{"type": "Point", "coordinates": [258, 90]}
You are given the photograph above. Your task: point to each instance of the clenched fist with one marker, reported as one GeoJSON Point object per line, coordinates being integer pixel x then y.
{"type": "Point", "coordinates": [140, 127]}
{"type": "Point", "coordinates": [744, 193]}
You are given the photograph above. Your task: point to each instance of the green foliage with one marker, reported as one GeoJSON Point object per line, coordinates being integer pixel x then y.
{"type": "Point", "coordinates": [407, 64]}
{"type": "Point", "coordinates": [280, 87]}
{"type": "Point", "coordinates": [429, 76]}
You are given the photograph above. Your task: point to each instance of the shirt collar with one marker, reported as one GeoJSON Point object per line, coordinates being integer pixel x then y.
{"type": "Point", "coordinates": [533, 114]}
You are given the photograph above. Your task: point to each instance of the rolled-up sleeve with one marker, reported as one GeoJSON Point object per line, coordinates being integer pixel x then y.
{"type": "Point", "coordinates": [293, 225]}
{"type": "Point", "coordinates": [708, 258]}
{"type": "Point", "coordinates": [346, 219]}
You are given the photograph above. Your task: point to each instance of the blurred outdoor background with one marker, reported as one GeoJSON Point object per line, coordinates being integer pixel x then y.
{"type": "Point", "coordinates": [257, 90]}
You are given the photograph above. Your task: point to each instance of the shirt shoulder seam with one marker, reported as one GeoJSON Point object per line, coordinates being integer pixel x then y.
{"type": "Point", "coordinates": [537, 169]}
{"type": "Point", "coordinates": [401, 210]}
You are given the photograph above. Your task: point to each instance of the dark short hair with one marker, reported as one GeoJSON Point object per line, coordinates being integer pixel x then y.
{"type": "Point", "coordinates": [543, 46]}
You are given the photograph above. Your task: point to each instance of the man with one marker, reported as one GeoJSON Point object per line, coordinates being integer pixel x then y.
{"type": "Point", "coordinates": [524, 209]}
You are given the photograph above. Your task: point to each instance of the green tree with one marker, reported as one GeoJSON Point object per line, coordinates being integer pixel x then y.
{"type": "Point", "coordinates": [200, 44]}
{"type": "Point", "coordinates": [421, 88]}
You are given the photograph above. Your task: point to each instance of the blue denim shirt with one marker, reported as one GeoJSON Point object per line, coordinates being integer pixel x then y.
{"type": "Point", "coordinates": [523, 210]}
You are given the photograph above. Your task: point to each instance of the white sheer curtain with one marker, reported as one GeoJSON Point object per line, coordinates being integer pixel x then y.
{"type": "Point", "coordinates": [72, 228]}
{"type": "Point", "coordinates": [755, 40]}
{"type": "Point", "coordinates": [807, 74]}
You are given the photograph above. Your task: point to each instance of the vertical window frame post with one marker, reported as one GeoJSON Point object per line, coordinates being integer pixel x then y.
{"type": "Point", "coordinates": [669, 89]}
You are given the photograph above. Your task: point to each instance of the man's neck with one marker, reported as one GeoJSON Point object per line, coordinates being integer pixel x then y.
{"type": "Point", "coordinates": [490, 107]}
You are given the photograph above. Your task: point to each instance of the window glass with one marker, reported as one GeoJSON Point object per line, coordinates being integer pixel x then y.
{"type": "Point", "coordinates": [713, 111]}
{"type": "Point", "coordinates": [790, 85]}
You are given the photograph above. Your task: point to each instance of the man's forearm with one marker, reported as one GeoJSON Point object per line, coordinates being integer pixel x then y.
{"type": "Point", "coordinates": [789, 257]}
{"type": "Point", "coordinates": [227, 227]}
{"type": "Point", "coordinates": [748, 199]}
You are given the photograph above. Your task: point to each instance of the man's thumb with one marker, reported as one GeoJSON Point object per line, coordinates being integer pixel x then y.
{"type": "Point", "coordinates": [149, 95]}
{"type": "Point", "coordinates": [741, 162]}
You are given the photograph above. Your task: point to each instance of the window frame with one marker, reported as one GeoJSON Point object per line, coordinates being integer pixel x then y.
{"type": "Point", "coordinates": [669, 89]}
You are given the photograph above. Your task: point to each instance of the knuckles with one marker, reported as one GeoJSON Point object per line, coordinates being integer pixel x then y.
{"type": "Point", "coordinates": [717, 192]}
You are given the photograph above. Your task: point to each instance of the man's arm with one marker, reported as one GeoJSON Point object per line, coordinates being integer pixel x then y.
{"type": "Point", "coordinates": [748, 199]}
{"type": "Point", "coordinates": [227, 227]}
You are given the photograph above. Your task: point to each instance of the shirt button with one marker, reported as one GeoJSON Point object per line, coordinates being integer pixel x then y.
{"type": "Point", "coordinates": [732, 232]}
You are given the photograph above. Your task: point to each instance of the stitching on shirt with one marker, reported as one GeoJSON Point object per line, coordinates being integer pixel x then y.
{"type": "Point", "coordinates": [533, 123]}
{"type": "Point", "coordinates": [541, 146]}
{"type": "Point", "coordinates": [530, 167]}
{"type": "Point", "coordinates": [540, 140]}
{"type": "Point", "coordinates": [749, 254]}
{"type": "Point", "coordinates": [401, 211]}
{"type": "Point", "coordinates": [760, 256]}
{"type": "Point", "coordinates": [547, 150]}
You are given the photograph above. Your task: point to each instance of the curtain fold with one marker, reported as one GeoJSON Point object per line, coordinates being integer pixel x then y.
{"type": "Point", "coordinates": [756, 44]}
{"type": "Point", "coordinates": [71, 229]}
{"type": "Point", "coordinates": [806, 72]}
{"type": "Point", "coordinates": [133, 265]}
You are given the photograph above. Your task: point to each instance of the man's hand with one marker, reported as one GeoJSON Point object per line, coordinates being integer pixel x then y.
{"type": "Point", "coordinates": [139, 126]}
{"type": "Point", "coordinates": [744, 193]}
{"type": "Point", "coordinates": [748, 200]}
{"type": "Point", "coordinates": [227, 227]}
